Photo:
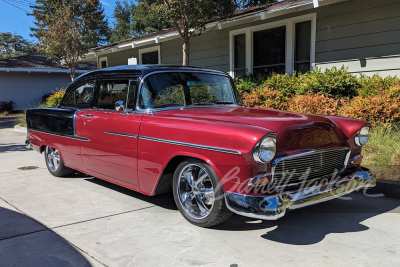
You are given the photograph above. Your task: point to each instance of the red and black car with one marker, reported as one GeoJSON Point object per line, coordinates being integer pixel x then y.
{"type": "Point", "coordinates": [155, 129]}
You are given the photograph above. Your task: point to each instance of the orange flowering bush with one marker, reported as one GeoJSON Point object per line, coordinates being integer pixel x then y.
{"type": "Point", "coordinates": [382, 108]}
{"type": "Point", "coordinates": [315, 104]}
{"type": "Point", "coordinates": [265, 98]}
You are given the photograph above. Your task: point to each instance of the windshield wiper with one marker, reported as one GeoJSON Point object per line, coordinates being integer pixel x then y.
{"type": "Point", "coordinates": [223, 102]}
{"type": "Point", "coordinates": [214, 103]}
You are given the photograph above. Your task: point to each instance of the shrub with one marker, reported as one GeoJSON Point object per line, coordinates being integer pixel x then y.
{"type": "Point", "coordinates": [373, 85]}
{"type": "Point", "coordinates": [315, 104]}
{"type": "Point", "coordinates": [55, 99]}
{"type": "Point", "coordinates": [336, 83]}
{"type": "Point", "coordinates": [265, 98]}
{"type": "Point", "coordinates": [248, 83]}
{"type": "Point", "coordinates": [376, 109]}
{"type": "Point", "coordinates": [7, 106]}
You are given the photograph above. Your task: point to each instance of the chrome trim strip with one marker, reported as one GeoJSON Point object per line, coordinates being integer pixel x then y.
{"type": "Point", "coordinates": [218, 149]}
{"type": "Point", "coordinates": [84, 139]}
{"type": "Point", "coordinates": [121, 134]}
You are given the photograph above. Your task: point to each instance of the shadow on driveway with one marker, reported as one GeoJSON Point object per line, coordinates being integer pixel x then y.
{"type": "Point", "coordinates": [310, 225]}
{"type": "Point", "coordinates": [25, 242]}
{"type": "Point", "coordinates": [306, 226]}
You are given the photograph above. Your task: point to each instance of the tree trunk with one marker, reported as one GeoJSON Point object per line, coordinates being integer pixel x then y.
{"type": "Point", "coordinates": [185, 50]}
{"type": "Point", "coordinates": [72, 72]}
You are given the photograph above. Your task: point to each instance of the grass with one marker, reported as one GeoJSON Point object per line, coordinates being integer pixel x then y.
{"type": "Point", "coordinates": [382, 153]}
{"type": "Point", "coordinates": [21, 120]}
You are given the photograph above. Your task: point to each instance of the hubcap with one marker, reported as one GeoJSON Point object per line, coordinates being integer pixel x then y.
{"type": "Point", "coordinates": [195, 190]}
{"type": "Point", "coordinates": [53, 158]}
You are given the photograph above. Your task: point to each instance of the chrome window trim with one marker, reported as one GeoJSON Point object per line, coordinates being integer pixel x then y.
{"type": "Point", "coordinates": [218, 149]}
{"type": "Point", "coordinates": [122, 134]}
{"type": "Point", "coordinates": [277, 160]}
{"type": "Point", "coordinates": [63, 135]}
{"type": "Point", "coordinates": [142, 80]}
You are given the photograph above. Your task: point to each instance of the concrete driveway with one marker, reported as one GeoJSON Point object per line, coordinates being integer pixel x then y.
{"type": "Point", "coordinates": [84, 221]}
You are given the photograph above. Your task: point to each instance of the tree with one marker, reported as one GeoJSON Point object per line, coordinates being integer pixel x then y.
{"type": "Point", "coordinates": [67, 29]}
{"type": "Point", "coordinates": [189, 17]}
{"type": "Point", "coordinates": [134, 20]}
{"type": "Point", "coordinates": [122, 28]}
{"type": "Point", "coordinates": [13, 45]}
{"type": "Point", "coordinates": [253, 3]}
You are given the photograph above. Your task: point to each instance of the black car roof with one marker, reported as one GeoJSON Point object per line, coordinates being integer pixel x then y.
{"type": "Point", "coordinates": [139, 70]}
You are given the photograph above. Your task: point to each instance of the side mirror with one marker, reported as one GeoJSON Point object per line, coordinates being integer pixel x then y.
{"type": "Point", "coordinates": [119, 106]}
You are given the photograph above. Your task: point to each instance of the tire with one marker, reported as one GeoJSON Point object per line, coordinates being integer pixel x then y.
{"type": "Point", "coordinates": [198, 194]}
{"type": "Point", "coordinates": [55, 164]}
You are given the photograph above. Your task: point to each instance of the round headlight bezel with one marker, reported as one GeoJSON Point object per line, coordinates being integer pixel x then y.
{"type": "Point", "coordinates": [362, 136]}
{"type": "Point", "coordinates": [265, 150]}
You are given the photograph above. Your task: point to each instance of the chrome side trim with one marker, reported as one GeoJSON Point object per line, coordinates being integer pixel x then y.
{"type": "Point", "coordinates": [275, 207]}
{"type": "Point", "coordinates": [121, 134]}
{"type": "Point", "coordinates": [84, 139]}
{"type": "Point", "coordinates": [218, 149]}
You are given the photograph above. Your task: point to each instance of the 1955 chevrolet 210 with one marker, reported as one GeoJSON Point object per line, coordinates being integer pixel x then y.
{"type": "Point", "coordinates": [155, 129]}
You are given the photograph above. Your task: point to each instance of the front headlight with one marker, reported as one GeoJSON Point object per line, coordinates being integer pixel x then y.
{"type": "Point", "coordinates": [265, 150]}
{"type": "Point", "coordinates": [362, 136]}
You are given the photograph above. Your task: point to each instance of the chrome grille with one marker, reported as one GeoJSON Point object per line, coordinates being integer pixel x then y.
{"type": "Point", "coordinates": [311, 165]}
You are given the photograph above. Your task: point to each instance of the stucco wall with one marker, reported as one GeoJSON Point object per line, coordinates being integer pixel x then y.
{"type": "Point", "coordinates": [26, 89]}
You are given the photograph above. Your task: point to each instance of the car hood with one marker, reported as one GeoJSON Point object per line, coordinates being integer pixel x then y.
{"type": "Point", "coordinates": [274, 120]}
{"type": "Point", "coordinates": [294, 131]}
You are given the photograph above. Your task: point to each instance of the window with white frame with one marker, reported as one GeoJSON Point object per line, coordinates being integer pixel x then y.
{"type": "Point", "coordinates": [150, 55]}
{"type": "Point", "coordinates": [281, 47]}
{"type": "Point", "coordinates": [103, 62]}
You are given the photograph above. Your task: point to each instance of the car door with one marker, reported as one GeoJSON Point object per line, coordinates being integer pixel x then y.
{"type": "Point", "coordinates": [113, 135]}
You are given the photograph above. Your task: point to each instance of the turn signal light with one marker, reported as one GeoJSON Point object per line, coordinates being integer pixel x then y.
{"type": "Point", "coordinates": [260, 180]}
{"type": "Point", "coordinates": [357, 160]}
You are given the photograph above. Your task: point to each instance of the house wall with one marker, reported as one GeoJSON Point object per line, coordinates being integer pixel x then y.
{"type": "Point", "coordinates": [26, 89]}
{"type": "Point", "coordinates": [363, 35]}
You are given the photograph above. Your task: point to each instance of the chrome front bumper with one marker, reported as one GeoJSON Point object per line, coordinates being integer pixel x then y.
{"type": "Point", "coordinates": [275, 207]}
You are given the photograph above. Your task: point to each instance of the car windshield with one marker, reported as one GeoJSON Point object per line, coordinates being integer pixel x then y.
{"type": "Point", "coordinates": [184, 89]}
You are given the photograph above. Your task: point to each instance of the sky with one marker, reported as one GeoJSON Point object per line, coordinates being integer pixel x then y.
{"type": "Point", "coordinates": [13, 16]}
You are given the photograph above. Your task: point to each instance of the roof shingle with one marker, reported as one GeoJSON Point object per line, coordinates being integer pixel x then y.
{"type": "Point", "coordinates": [39, 61]}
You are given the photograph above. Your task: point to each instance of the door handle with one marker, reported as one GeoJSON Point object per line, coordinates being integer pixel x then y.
{"type": "Point", "coordinates": [88, 115]}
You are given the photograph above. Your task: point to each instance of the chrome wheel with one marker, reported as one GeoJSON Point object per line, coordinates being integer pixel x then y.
{"type": "Point", "coordinates": [195, 190]}
{"type": "Point", "coordinates": [53, 158]}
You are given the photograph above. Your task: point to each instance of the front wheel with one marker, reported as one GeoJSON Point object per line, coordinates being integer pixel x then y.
{"type": "Point", "coordinates": [198, 194]}
{"type": "Point", "coordinates": [55, 164]}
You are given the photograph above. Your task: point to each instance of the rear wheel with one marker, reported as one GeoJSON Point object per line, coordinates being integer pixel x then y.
{"type": "Point", "coordinates": [199, 195]}
{"type": "Point", "coordinates": [54, 162]}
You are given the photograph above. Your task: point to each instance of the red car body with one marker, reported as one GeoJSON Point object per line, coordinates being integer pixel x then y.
{"type": "Point", "coordinates": [139, 150]}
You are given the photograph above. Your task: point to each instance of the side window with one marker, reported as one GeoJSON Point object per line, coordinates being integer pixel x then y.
{"type": "Point", "coordinates": [111, 91]}
{"type": "Point", "coordinates": [158, 95]}
{"type": "Point", "coordinates": [80, 97]}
